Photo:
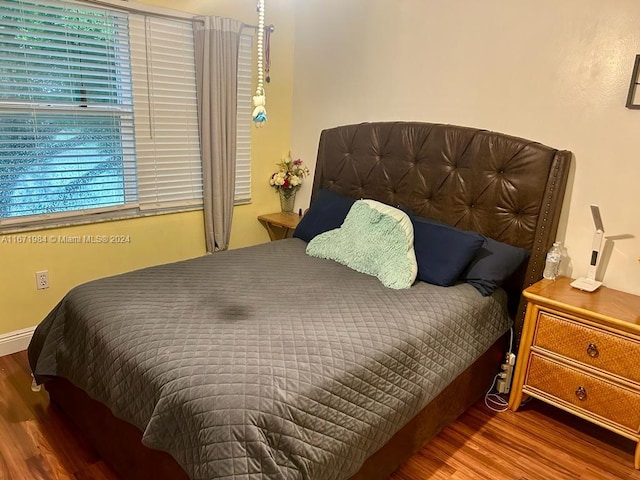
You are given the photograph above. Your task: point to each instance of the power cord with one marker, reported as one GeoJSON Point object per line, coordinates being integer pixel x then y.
{"type": "Point", "coordinates": [495, 401]}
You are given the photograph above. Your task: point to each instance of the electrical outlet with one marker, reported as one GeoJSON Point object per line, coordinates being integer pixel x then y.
{"type": "Point", "coordinates": [42, 279]}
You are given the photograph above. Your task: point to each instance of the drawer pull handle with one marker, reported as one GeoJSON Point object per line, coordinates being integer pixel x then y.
{"type": "Point", "coordinates": [581, 393]}
{"type": "Point", "coordinates": [592, 350]}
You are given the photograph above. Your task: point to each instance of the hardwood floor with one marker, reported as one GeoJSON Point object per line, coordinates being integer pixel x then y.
{"type": "Point", "coordinates": [537, 442]}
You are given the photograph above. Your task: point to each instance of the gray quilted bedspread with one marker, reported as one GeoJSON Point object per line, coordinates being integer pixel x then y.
{"type": "Point", "coordinates": [263, 362]}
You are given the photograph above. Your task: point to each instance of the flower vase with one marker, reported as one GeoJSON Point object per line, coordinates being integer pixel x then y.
{"type": "Point", "coordinates": [287, 200]}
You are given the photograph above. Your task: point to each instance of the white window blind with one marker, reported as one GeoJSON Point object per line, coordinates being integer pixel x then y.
{"type": "Point", "coordinates": [167, 136]}
{"type": "Point", "coordinates": [66, 114]}
{"type": "Point", "coordinates": [166, 120]}
{"type": "Point", "coordinates": [244, 123]}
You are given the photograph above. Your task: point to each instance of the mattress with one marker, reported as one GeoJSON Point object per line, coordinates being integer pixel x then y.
{"type": "Point", "coordinates": [263, 362]}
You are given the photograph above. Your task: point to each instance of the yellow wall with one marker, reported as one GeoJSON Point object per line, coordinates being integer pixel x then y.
{"type": "Point", "coordinates": [163, 238]}
{"type": "Point", "coordinates": [151, 240]}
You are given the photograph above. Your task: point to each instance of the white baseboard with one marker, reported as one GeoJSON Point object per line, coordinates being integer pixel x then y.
{"type": "Point", "coordinates": [15, 341]}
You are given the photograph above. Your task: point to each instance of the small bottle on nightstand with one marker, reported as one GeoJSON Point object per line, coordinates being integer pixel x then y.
{"type": "Point", "coordinates": [552, 263]}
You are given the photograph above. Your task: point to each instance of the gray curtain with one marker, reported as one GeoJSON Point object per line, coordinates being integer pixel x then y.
{"type": "Point", "coordinates": [217, 42]}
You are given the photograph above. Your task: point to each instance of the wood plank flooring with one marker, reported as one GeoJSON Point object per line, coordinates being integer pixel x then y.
{"type": "Point", "coordinates": [537, 442]}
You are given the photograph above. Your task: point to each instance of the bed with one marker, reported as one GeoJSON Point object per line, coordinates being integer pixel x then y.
{"type": "Point", "coordinates": [210, 361]}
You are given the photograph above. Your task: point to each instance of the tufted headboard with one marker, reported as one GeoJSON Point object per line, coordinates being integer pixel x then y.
{"type": "Point", "coordinates": [504, 187]}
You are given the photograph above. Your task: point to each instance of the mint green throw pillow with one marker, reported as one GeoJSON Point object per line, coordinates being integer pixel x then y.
{"type": "Point", "coordinates": [375, 239]}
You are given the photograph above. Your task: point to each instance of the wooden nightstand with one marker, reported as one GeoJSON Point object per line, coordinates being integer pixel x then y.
{"type": "Point", "coordinates": [280, 225]}
{"type": "Point", "coordinates": [580, 352]}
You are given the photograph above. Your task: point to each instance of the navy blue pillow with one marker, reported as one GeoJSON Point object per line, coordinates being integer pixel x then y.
{"type": "Point", "coordinates": [327, 212]}
{"type": "Point", "coordinates": [442, 251]}
{"type": "Point", "coordinates": [492, 265]}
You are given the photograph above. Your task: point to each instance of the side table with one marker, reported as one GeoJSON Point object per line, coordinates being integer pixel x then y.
{"type": "Point", "coordinates": [280, 225]}
{"type": "Point", "coordinates": [580, 352]}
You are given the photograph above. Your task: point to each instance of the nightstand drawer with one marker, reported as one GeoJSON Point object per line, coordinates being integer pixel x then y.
{"type": "Point", "coordinates": [591, 346]}
{"type": "Point", "coordinates": [585, 392]}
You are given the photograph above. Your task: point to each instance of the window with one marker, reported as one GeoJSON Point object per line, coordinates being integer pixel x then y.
{"type": "Point", "coordinates": [66, 112]}
{"type": "Point", "coordinates": [98, 112]}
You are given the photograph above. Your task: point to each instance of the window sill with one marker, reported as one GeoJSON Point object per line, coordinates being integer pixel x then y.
{"type": "Point", "coordinates": [103, 217]}
{"type": "Point", "coordinates": [92, 219]}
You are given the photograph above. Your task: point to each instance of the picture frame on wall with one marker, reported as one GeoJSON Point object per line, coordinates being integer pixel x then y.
{"type": "Point", "coordinates": [633, 98]}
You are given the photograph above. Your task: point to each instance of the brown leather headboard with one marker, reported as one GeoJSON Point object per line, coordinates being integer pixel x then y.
{"type": "Point", "coordinates": [504, 187]}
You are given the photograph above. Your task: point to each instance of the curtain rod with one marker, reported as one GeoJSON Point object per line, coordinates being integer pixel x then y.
{"type": "Point", "coordinates": [129, 9]}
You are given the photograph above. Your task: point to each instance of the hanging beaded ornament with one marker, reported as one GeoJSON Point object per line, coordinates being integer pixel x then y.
{"type": "Point", "coordinates": [259, 114]}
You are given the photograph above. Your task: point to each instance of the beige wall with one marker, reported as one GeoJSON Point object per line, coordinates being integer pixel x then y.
{"type": "Point", "coordinates": [555, 72]}
{"type": "Point", "coordinates": [163, 238]}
